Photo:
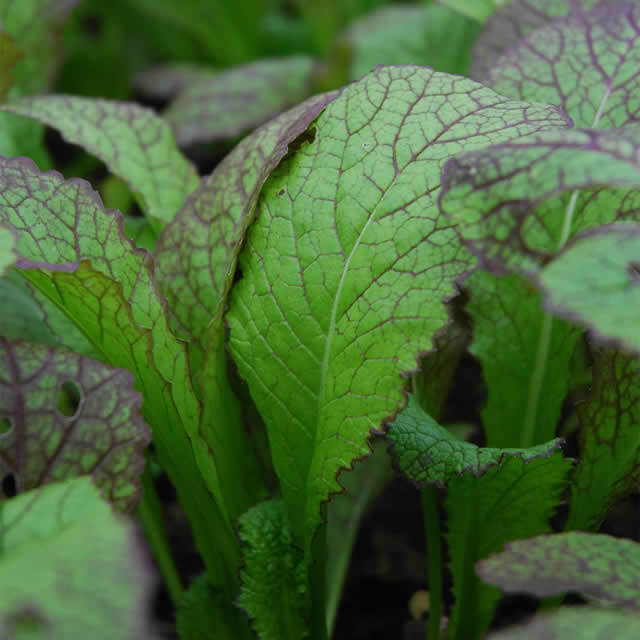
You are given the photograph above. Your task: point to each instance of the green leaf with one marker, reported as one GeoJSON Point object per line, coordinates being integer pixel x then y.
{"type": "Point", "coordinates": [230, 102]}
{"type": "Point", "coordinates": [7, 249]}
{"type": "Point", "coordinates": [274, 591]}
{"type": "Point", "coordinates": [75, 253]}
{"type": "Point", "coordinates": [599, 567]}
{"type": "Point", "coordinates": [585, 63]}
{"type": "Point", "coordinates": [478, 10]}
{"type": "Point", "coordinates": [494, 495]}
{"type": "Point", "coordinates": [586, 623]}
{"type": "Point", "coordinates": [204, 609]}
{"type": "Point", "coordinates": [512, 22]}
{"type": "Point", "coordinates": [594, 281]}
{"type": "Point", "coordinates": [69, 568]}
{"type": "Point", "coordinates": [507, 320]}
{"type": "Point", "coordinates": [9, 55]}
{"type": "Point", "coordinates": [70, 416]}
{"type": "Point", "coordinates": [348, 265]}
{"type": "Point", "coordinates": [135, 143]}
{"type": "Point", "coordinates": [609, 462]}
{"type": "Point", "coordinates": [432, 36]}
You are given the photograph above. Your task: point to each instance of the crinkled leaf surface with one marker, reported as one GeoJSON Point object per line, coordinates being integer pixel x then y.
{"type": "Point", "coordinates": [100, 432]}
{"type": "Point", "coordinates": [507, 320]}
{"type": "Point", "coordinates": [479, 10]}
{"type": "Point", "coordinates": [511, 23]}
{"type": "Point", "coordinates": [595, 281]}
{"type": "Point", "coordinates": [587, 63]}
{"type": "Point", "coordinates": [75, 253]}
{"type": "Point", "coordinates": [587, 623]}
{"type": "Point", "coordinates": [274, 591]}
{"type": "Point", "coordinates": [599, 567]}
{"type": "Point", "coordinates": [135, 143]}
{"type": "Point", "coordinates": [410, 34]}
{"type": "Point", "coordinates": [69, 568]}
{"type": "Point", "coordinates": [231, 102]}
{"type": "Point", "coordinates": [494, 495]}
{"type": "Point", "coordinates": [348, 264]}
{"type": "Point", "coordinates": [609, 464]}
{"type": "Point", "coordinates": [7, 249]}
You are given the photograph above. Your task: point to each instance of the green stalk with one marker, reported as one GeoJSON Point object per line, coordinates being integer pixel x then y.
{"type": "Point", "coordinates": [318, 584]}
{"type": "Point", "coordinates": [431, 517]}
{"type": "Point", "coordinates": [150, 514]}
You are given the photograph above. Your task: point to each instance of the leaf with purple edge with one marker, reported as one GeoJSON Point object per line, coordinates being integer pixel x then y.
{"type": "Point", "coordinates": [599, 567]}
{"type": "Point", "coordinates": [233, 101]}
{"type": "Point", "coordinates": [70, 416]}
{"type": "Point", "coordinates": [135, 144]}
{"type": "Point", "coordinates": [609, 464]}
{"type": "Point", "coordinates": [516, 490]}
{"type": "Point", "coordinates": [70, 568]}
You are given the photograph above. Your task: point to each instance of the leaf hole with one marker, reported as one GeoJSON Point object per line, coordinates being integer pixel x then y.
{"type": "Point", "coordinates": [6, 425]}
{"type": "Point", "coordinates": [69, 399]}
{"type": "Point", "coordinates": [9, 485]}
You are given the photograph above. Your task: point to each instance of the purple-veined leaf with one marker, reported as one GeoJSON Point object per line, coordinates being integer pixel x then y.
{"type": "Point", "coordinates": [166, 81]}
{"type": "Point", "coordinates": [493, 495]}
{"type": "Point", "coordinates": [7, 249]}
{"type": "Point", "coordinates": [609, 464]}
{"type": "Point", "coordinates": [69, 416]}
{"type": "Point", "coordinates": [70, 568]}
{"type": "Point", "coordinates": [76, 254]}
{"type": "Point", "coordinates": [587, 623]}
{"type": "Point", "coordinates": [230, 102]}
{"type": "Point", "coordinates": [599, 567]}
{"type": "Point", "coordinates": [348, 265]}
{"type": "Point", "coordinates": [135, 144]}
{"type": "Point", "coordinates": [511, 23]}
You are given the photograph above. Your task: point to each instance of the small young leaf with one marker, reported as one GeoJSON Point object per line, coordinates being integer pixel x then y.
{"type": "Point", "coordinates": [135, 143]}
{"type": "Point", "coordinates": [594, 281]}
{"type": "Point", "coordinates": [69, 568]}
{"type": "Point", "coordinates": [609, 463]}
{"type": "Point", "coordinates": [54, 437]}
{"type": "Point", "coordinates": [586, 623]}
{"type": "Point", "coordinates": [597, 566]}
{"type": "Point", "coordinates": [348, 265]}
{"type": "Point", "coordinates": [274, 589]}
{"type": "Point", "coordinates": [230, 102]}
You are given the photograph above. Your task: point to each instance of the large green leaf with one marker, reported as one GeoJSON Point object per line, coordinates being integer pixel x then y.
{"type": "Point", "coordinates": [408, 34]}
{"type": "Point", "coordinates": [493, 495]}
{"type": "Point", "coordinates": [69, 416]}
{"type": "Point", "coordinates": [231, 102]}
{"type": "Point", "coordinates": [586, 623]}
{"type": "Point", "coordinates": [274, 582]}
{"type": "Point", "coordinates": [7, 249]}
{"type": "Point", "coordinates": [599, 567]}
{"type": "Point", "coordinates": [609, 463]}
{"type": "Point", "coordinates": [69, 568]}
{"type": "Point", "coordinates": [347, 267]}
{"type": "Point", "coordinates": [131, 140]}
{"type": "Point", "coordinates": [75, 253]}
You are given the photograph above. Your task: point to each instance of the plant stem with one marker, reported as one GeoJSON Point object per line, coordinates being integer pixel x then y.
{"type": "Point", "coordinates": [431, 517]}
{"type": "Point", "coordinates": [150, 513]}
{"type": "Point", "coordinates": [318, 584]}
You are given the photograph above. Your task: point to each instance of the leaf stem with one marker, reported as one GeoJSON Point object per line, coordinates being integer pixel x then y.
{"type": "Point", "coordinates": [150, 513]}
{"type": "Point", "coordinates": [431, 516]}
{"type": "Point", "coordinates": [318, 584]}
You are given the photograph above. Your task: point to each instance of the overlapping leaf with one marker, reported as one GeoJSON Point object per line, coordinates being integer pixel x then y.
{"type": "Point", "coordinates": [609, 439]}
{"type": "Point", "coordinates": [75, 253]}
{"type": "Point", "coordinates": [513, 22]}
{"type": "Point", "coordinates": [131, 140]}
{"type": "Point", "coordinates": [407, 34]}
{"type": "Point", "coordinates": [515, 490]}
{"type": "Point", "coordinates": [228, 103]}
{"type": "Point", "coordinates": [599, 567]}
{"type": "Point", "coordinates": [587, 623]}
{"type": "Point", "coordinates": [594, 281]}
{"type": "Point", "coordinates": [166, 81]}
{"type": "Point", "coordinates": [69, 568]}
{"type": "Point", "coordinates": [348, 264]}
{"type": "Point", "coordinates": [100, 432]}
{"type": "Point", "coordinates": [274, 591]}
